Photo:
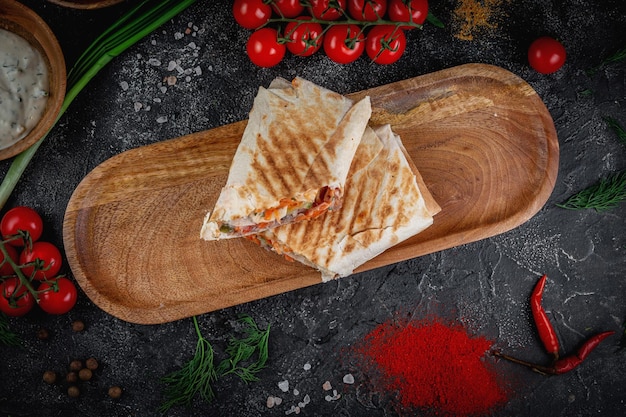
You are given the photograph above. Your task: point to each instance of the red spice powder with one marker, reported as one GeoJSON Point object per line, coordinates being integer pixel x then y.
{"type": "Point", "coordinates": [433, 366]}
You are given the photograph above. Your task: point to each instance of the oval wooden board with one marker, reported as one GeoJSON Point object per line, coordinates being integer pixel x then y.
{"type": "Point", "coordinates": [481, 137]}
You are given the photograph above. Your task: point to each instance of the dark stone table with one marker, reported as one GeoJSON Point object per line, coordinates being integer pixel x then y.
{"type": "Point", "coordinates": [486, 283]}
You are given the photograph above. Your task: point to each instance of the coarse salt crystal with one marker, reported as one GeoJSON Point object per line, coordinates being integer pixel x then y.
{"type": "Point", "coordinates": [138, 106]}
{"type": "Point", "coordinates": [296, 392]}
{"type": "Point", "coordinates": [161, 119]}
{"type": "Point", "coordinates": [171, 65]}
{"type": "Point", "coordinates": [154, 62]}
{"type": "Point", "coordinates": [348, 379]}
{"type": "Point", "coordinates": [271, 401]}
{"type": "Point", "coordinates": [307, 366]}
{"type": "Point", "coordinates": [284, 385]}
{"type": "Point", "coordinates": [124, 85]}
{"type": "Point", "coordinates": [278, 401]}
{"type": "Point", "coordinates": [327, 386]}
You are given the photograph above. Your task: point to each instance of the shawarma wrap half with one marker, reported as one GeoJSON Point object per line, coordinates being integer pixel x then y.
{"type": "Point", "coordinates": [292, 161]}
{"type": "Point", "coordinates": [383, 205]}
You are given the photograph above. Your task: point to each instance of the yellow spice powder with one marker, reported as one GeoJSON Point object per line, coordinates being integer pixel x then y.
{"type": "Point", "coordinates": [475, 16]}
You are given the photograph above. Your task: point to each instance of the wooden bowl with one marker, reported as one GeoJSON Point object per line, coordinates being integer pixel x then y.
{"type": "Point", "coordinates": [21, 20]}
{"type": "Point", "coordinates": [85, 4]}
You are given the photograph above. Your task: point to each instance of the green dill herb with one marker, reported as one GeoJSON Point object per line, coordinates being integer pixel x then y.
{"type": "Point", "coordinates": [613, 59]}
{"type": "Point", "coordinates": [617, 128]}
{"type": "Point", "coordinates": [246, 357]}
{"type": "Point", "coordinates": [7, 337]}
{"type": "Point", "coordinates": [602, 196]}
{"type": "Point", "coordinates": [196, 376]}
{"type": "Point", "coordinates": [240, 351]}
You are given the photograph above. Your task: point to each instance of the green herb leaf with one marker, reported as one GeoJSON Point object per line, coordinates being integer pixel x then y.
{"type": "Point", "coordinates": [196, 377]}
{"type": "Point", "coordinates": [247, 356]}
{"type": "Point", "coordinates": [618, 56]}
{"type": "Point", "coordinates": [241, 351]}
{"type": "Point", "coordinates": [7, 337]}
{"type": "Point", "coordinates": [433, 20]}
{"type": "Point", "coordinates": [602, 196]}
{"type": "Point", "coordinates": [617, 128]}
{"type": "Point", "coordinates": [140, 21]}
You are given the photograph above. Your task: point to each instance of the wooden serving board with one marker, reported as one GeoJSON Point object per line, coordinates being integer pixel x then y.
{"type": "Point", "coordinates": [481, 137]}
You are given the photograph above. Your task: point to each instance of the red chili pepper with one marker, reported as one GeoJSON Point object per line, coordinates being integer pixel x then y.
{"type": "Point", "coordinates": [544, 327]}
{"type": "Point", "coordinates": [566, 364]}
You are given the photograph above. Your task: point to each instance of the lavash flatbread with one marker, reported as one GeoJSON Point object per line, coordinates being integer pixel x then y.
{"type": "Point", "coordinates": [385, 203]}
{"type": "Point", "coordinates": [295, 152]}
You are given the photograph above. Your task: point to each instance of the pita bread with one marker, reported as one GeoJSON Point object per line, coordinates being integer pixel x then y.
{"type": "Point", "coordinates": [383, 206]}
{"type": "Point", "coordinates": [293, 159]}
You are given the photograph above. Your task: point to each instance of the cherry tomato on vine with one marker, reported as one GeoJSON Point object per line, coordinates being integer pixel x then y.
{"type": "Point", "coordinates": [6, 268]}
{"type": "Point", "coordinates": [47, 260]}
{"type": "Point", "coordinates": [328, 9]}
{"type": "Point", "coordinates": [305, 38]}
{"type": "Point", "coordinates": [22, 301]}
{"type": "Point", "coordinates": [251, 14]}
{"type": "Point", "coordinates": [288, 8]}
{"type": "Point", "coordinates": [344, 43]}
{"type": "Point", "coordinates": [546, 55]}
{"type": "Point", "coordinates": [385, 44]}
{"type": "Point", "coordinates": [21, 218]}
{"type": "Point", "coordinates": [368, 10]}
{"type": "Point", "coordinates": [264, 49]}
{"type": "Point", "coordinates": [57, 296]}
{"type": "Point", "coordinates": [414, 11]}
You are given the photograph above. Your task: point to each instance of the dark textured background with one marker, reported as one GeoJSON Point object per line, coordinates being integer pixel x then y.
{"type": "Point", "coordinates": [484, 284]}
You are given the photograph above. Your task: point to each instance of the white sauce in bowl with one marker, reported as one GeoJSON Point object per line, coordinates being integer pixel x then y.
{"type": "Point", "coordinates": [23, 87]}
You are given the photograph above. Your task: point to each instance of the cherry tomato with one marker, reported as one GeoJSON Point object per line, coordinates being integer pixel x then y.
{"type": "Point", "coordinates": [288, 8]}
{"type": "Point", "coordinates": [57, 296]}
{"type": "Point", "coordinates": [328, 9]}
{"type": "Point", "coordinates": [385, 44]}
{"type": "Point", "coordinates": [264, 49]}
{"type": "Point", "coordinates": [21, 218]}
{"type": "Point", "coordinates": [6, 268]}
{"type": "Point", "coordinates": [22, 301]}
{"type": "Point", "coordinates": [251, 14]}
{"type": "Point", "coordinates": [368, 10]}
{"type": "Point", "coordinates": [46, 258]}
{"type": "Point", "coordinates": [344, 43]}
{"type": "Point", "coordinates": [414, 11]}
{"type": "Point", "coordinates": [546, 55]}
{"type": "Point", "coordinates": [305, 38]}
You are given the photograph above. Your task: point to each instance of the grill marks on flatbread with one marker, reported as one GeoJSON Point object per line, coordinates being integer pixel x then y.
{"type": "Point", "coordinates": [383, 205]}
{"type": "Point", "coordinates": [298, 143]}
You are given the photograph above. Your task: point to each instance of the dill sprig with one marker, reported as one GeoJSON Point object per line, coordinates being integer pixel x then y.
{"type": "Point", "coordinates": [616, 57]}
{"type": "Point", "coordinates": [196, 377]}
{"type": "Point", "coordinates": [241, 351]}
{"type": "Point", "coordinates": [7, 337]}
{"type": "Point", "coordinates": [604, 195]}
{"type": "Point", "coordinates": [617, 128]}
{"type": "Point", "coordinates": [246, 357]}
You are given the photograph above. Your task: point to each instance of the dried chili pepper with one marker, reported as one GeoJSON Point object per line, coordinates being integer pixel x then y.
{"type": "Point", "coordinates": [544, 327]}
{"type": "Point", "coordinates": [565, 364]}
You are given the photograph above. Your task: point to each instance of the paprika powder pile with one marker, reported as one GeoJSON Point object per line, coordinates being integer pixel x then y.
{"type": "Point", "coordinates": [433, 366]}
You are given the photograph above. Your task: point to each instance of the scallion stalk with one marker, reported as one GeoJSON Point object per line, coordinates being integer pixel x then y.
{"type": "Point", "coordinates": [128, 30]}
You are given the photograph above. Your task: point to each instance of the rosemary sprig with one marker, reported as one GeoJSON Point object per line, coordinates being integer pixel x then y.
{"type": "Point", "coordinates": [132, 27]}
{"type": "Point", "coordinates": [617, 128]}
{"type": "Point", "coordinates": [7, 337]}
{"type": "Point", "coordinates": [602, 196]}
{"type": "Point", "coordinates": [241, 350]}
{"type": "Point", "coordinates": [197, 376]}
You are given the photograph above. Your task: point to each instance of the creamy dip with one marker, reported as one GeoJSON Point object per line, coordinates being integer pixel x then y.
{"type": "Point", "coordinates": [23, 87]}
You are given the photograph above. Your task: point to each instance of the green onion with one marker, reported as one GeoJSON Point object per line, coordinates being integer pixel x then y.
{"type": "Point", "coordinates": [7, 337]}
{"type": "Point", "coordinates": [128, 30]}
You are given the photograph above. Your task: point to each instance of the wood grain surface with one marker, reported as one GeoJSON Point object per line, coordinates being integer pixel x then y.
{"type": "Point", "coordinates": [85, 4]}
{"type": "Point", "coordinates": [481, 137]}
